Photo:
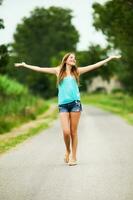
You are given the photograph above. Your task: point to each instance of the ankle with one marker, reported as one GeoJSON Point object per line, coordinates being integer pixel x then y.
{"type": "Point", "coordinates": [68, 151]}
{"type": "Point", "coordinates": [73, 158]}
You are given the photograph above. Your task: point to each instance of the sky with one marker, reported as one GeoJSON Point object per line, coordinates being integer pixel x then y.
{"type": "Point", "coordinates": [13, 11]}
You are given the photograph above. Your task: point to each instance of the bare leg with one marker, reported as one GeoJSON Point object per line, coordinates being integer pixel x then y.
{"type": "Point", "coordinates": [74, 120]}
{"type": "Point", "coordinates": [65, 123]}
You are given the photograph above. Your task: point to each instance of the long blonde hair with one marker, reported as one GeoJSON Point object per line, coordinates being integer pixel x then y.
{"type": "Point", "coordinates": [62, 73]}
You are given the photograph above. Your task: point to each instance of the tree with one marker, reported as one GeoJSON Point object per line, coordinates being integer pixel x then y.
{"type": "Point", "coordinates": [40, 37]}
{"type": "Point", "coordinates": [115, 19]}
{"type": "Point", "coordinates": [1, 20]}
{"type": "Point", "coordinates": [45, 33]}
{"type": "Point", "coordinates": [94, 54]}
{"type": "Point", "coordinates": [4, 57]}
{"type": "Point", "coordinates": [1, 2]}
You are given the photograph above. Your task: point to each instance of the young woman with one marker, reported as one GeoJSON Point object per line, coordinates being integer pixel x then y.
{"type": "Point", "coordinates": [69, 103]}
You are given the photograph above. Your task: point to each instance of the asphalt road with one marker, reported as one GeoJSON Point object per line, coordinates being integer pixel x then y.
{"type": "Point", "coordinates": [35, 169]}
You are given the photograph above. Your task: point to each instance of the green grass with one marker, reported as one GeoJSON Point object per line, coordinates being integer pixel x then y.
{"type": "Point", "coordinates": [24, 113]}
{"type": "Point", "coordinates": [14, 141]}
{"type": "Point", "coordinates": [119, 103]}
{"type": "Point", "coordinates": [17, 104]}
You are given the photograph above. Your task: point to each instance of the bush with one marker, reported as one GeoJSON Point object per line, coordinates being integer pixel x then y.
{"type": "Point", "coordinates": [100, 90]}
{"type": "Point", "coordinates": [11, 88]}
{"type": "Point", "coordinates": [17, 104]}
{"type": "Point", "coordinates": [117, 90]}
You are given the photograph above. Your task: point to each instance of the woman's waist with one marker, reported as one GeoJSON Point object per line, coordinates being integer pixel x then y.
{"type": "Point", "coordinates": [69, 102]}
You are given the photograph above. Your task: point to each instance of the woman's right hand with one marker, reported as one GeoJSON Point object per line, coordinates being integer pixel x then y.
{"type": "Point", "coordinates": [22, 64]}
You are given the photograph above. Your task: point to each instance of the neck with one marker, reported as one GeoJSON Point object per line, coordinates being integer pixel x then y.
{"type": "Point", "coordinates": [68, 68]}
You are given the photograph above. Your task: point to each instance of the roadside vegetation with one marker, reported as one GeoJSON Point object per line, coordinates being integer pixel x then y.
{"type": "Point", "coordinates": [117, 102]}
{"type": "Point", "coordinates": [18, 105]}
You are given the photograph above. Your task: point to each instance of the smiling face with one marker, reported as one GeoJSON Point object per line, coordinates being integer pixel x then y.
{"type": "Point", "coordinates": [71, 60]}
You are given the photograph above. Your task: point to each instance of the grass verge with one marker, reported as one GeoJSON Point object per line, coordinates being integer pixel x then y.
{"type": "Point", "coordinates": [118, 103]}
{"type": "Point", "coordinates": [12, 142]}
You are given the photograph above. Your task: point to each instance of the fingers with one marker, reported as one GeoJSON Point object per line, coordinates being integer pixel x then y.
{"type": "Point", "coordinates": [19, 64]}
{"type": "Point", "coordinates": [116, 57]}
{"type": "Point", "coordinates": [16, 64]}
{"type": "Point", "coordinates": [119, 56]}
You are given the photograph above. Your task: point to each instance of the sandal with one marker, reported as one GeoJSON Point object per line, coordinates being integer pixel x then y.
{"type": "Point", "coordinates": [72, 162]}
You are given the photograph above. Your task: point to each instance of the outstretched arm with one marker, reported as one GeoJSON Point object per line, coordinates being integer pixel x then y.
{"type": "Point", "coordinates": [52, 70]}
{"type": "Point", "coordinates": [97, 65]}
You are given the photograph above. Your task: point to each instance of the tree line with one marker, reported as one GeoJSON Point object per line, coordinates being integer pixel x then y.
{"type": "Point", "coordinates": [115, 20]}
{"type": "Point", "coordinates": [47, 34]}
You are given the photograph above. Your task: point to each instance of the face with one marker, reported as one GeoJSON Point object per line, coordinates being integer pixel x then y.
{"type": "Point", "coordinates": [71, 60]}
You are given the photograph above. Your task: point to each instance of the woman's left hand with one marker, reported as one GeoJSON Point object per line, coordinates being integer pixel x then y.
{"type": "Point", "coordinates": [115, 57]}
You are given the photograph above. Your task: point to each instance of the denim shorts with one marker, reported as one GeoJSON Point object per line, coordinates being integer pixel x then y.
{"type": "Point", "coordinates": [74, 106]}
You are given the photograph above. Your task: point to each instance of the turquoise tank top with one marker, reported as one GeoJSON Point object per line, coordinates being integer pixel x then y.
{"type": "Point", "coordinates": [68, 90]}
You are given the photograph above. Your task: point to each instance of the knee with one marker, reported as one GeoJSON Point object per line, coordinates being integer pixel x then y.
{"type": "Point", "coordinates": [73, 132]}
{"type": "Point", "coordinates": [66, 132]}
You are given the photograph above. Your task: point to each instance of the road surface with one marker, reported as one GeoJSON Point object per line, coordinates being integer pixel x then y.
{"type": "Point", "coordinates": [35, 170]}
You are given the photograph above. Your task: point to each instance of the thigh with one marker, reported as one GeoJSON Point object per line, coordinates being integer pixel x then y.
{"type": "Point", "coordinates": [74, 121]}
{"type": "Point", "coordinates": [65, 121]}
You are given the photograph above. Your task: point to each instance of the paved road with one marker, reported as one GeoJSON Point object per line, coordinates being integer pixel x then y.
{"type": "Point", "coordinates": [35, 170]}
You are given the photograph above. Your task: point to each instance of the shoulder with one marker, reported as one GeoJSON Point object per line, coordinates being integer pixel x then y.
{"type": "Point", "coordinates": [57, 70]}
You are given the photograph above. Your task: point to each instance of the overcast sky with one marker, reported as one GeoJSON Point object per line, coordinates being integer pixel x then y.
{"type": "Point", "coordinates": [12, 12]}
